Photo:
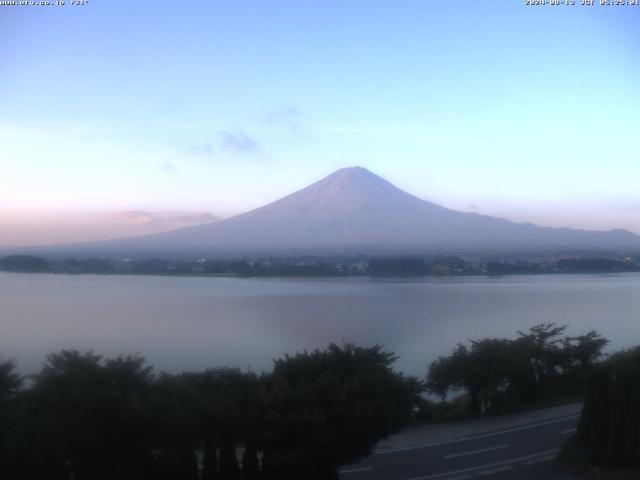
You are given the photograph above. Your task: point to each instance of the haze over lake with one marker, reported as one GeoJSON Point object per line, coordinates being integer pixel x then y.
{"type": "Point", "coordinates": [192, 323]}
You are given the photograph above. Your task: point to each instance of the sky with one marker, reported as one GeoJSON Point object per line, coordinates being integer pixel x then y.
{"type": "Point", "coordinates": [214, 108]}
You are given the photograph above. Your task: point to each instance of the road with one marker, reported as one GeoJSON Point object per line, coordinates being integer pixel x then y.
{"type": "Point", "coordinates": [511, 447]}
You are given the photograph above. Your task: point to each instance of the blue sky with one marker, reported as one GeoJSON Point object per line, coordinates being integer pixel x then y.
{"type": "Point", "coordinates": [531, 113]}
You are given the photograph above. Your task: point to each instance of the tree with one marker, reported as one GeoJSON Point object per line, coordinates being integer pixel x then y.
{"type": "Point", "coordinates": [250, 464]}
{"type": "Point", "coordinates": [229, 466]}
{"type": "Point", "coordinates": [537, 364]}
{"type": "Point", "coordinates": [230, 410]}
{"type": "Point", "coordinates": [90, 415]}
{"type": "Point", "coordinates": [609, 428]}
{"type": "Point", "coordinates": [10, 381]}
{"type": "Point", "coordinates": [174, 405]}
{"type": "Point", "coordinates": [210, 459]}
{"type": "Point", "coordinates": [482, 370]}
{"type": "Point", "coordinates": [405, 266]}
{"type": "Point", "coordinates": [10, 384]}
{"type": "Point", "coordinates": [25, 263]}
{"type": "Point", "coordinates": [328, 408]}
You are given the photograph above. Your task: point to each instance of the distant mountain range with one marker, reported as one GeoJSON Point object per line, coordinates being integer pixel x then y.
{"type": "Point", "coordinates": [355, 211]}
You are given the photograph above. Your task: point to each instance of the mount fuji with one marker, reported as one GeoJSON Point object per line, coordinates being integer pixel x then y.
{"type": "Point", "coordinates": [355, 211]}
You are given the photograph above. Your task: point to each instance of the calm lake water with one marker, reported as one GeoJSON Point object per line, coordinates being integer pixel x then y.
{"type": "Point", "coordinates": [193, 323]}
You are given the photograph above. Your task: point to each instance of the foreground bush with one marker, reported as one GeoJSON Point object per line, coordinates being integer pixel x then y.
{"type": "Point", "coordinates": [609, 428]}
{"type": "Point", "coordinates": [92, 418]}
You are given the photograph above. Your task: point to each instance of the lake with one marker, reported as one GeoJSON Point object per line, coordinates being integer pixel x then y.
{"type": "Point", "coordinates": [186, 323]}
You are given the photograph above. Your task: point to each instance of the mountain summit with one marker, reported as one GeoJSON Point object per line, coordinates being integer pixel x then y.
{"type": "Point", "coordinates": [353, 210]}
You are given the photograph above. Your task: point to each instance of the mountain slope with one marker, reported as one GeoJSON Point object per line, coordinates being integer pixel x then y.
{"type": "Point", "coordinates": [356, 211]}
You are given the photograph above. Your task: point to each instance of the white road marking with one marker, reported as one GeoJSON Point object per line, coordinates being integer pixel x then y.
{"type": "Point", "coordinates": [355, 470]}
{"type": "Point", "coordinates": [571, 430]}
{"type": "Point", "coordinates": [482, 467]}
{"type": "Point", "coordinates": [474, 437]}
{"type": "Point", "coordinates": [540, 460]}
{"type": "Point", "coordinates": [482, 450]}
{"type": "Point", "coordinates": [495, 470]}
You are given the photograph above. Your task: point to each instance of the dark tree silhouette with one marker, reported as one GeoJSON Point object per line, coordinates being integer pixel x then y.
{"type": "Point", "coordinates": [403, 266]}
{"type": "Point", "coordinates": [90, 414]}
{"type": "Point", "coordinates": [230, 410]}
{"type": "Point", "coordinates": [501, 372]}
{"type": "Point", "coordinates": [250, 463]}
{"type": "Point", "coordinates": [210, 459]}
{"type": "Point", "coordinates": [25, 263]}
{"type": "Point", "coordinates": [229, 466]}
{"type": "Point", "coordinates": [328, 408]}
{"type": "Point", "coordinates": [10, 383]}
{"type": "Point", "coordinates": [92, 418]}
{"type": "Point", "coordinates": [174, 405]}
{"type": "Point", "coordinates": [609, 428]}
{"type": "Point", "coordinates": [482, 369]}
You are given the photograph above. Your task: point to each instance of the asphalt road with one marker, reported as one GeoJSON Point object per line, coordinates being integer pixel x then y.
{"type": "Point", "coordinates": [519, 451]}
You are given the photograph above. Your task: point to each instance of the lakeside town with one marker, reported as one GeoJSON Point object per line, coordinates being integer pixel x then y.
{"type": "Point", "coordinates": [398, 266]}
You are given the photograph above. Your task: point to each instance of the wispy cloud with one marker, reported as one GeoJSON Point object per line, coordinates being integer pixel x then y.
{"type": "Point", "coordinates": [237, 141]}
{"type": "Point", "coordinates": [283, 113]}
{"type": "Point", "coordinates": [203, 149]}
{"type": "Point", "coordinates": [286, 115]}
{"type": "Point", "coordinates": [51, 227]}
{"type": "Point", "coordinates": [163, 219]}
